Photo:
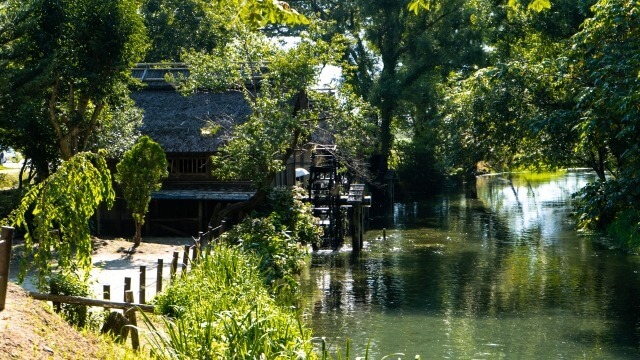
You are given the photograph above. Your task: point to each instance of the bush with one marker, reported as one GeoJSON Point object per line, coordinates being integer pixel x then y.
{"type": "Point", "coordinates": [597, 205]}
{"type": "Point", "coordinates": [281, 256]}
{"type": "Point", "coordinates": [71, 285]}
{"type": "Point", "coordinates": [625, 230]}
{"type": "Point", "coordinates": [295, 214]}
{"type": "Point", "coordinates": [223, 310]}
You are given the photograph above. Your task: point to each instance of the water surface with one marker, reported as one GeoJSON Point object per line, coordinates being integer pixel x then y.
{"type": "Point", "coordinates": [504, 275]}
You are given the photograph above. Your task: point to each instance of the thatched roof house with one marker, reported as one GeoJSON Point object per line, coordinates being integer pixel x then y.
{"type": "Point", "coordinates": [183, 124]}
{"type": "Point", "coordinates": [190, 129]}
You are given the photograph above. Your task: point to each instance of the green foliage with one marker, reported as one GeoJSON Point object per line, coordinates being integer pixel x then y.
{"type": "Point", "coordinates": [222, 310]}
{"type": "Point", "coordinates": [67, 64]}
{"type": "Point", "coordinates": [537, 5]}
{"type": "Point", "coordinates": [8, 181]}
{"type": "Point", "coordinates": [258, 13]}
{"type": "Point", "coordinates": [177, 26]}
{"type": "Point", "coordinates": [140, 172]}
{"type": "Point", "coordinates": [625, 230]}
{"type": "Point", "coordinates": [70, 284]}
{"type": "Point", "coordinates": [55, 216]}
{"type": "Point", "coordinates": [281, 255]}
{"type": "Point", "coordinates": [604, 64]}
{"type": "Point", "coordinates": [418, 169]}
{"type": "Point", "coordinates": [295, 214]}
{"type": "Point", "coordinates": [517, 113]}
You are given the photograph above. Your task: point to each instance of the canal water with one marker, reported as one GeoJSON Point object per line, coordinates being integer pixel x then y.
{"type": "Point", "coordinates": [504, 275]}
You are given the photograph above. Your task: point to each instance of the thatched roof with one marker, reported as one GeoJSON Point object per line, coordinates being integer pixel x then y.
{"type": "Point", "coordinates": [179, 123]}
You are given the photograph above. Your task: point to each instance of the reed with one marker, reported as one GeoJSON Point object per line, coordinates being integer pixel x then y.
{"type": "Point", "coordinates": [223, 310]}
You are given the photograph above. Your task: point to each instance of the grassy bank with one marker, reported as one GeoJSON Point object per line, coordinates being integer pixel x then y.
{"type": "Point", "coordinates": [224, 310]}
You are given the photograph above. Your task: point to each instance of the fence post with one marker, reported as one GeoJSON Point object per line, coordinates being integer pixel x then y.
{"type": "Point", "coordinates": [143, 284]}
{"type": "Point", "coordinates": [204, 243]}
{"type": "Point", "coordinates": [132, 326]}
{"type": "Point", "coordinates": [106, 293]}
{"type": "Point", "coordinates": [159, 276]}
{"type": "Point", "coordinates": [127, 287]}
{"type": "Point", "coordinates": [194, 253]}
{"type": "Point", "coordinates": [174, 265]}
{"type": "Point", "coordinates": [185, 260]}
{"type": "Point", "coordinates": [6, 242]}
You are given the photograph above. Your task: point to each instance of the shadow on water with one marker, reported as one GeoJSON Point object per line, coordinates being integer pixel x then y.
{"type": "Point", "coordinates": [503, 275]}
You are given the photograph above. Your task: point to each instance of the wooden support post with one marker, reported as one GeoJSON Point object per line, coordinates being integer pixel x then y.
{"type": "Point", "coordinates": [174, 265]}
{"type": "Point", "coordinates": [106, 293]}
{"type": "Point", "coordinates": [127, 287]}
{"type": "Point", "coordinates": [185, 260]}
{"type": "Point", "coordinates": [356, 221]}
{"type": "Point", "coordinates": [143, 285]}
{"type": "Point", "coordinates": [6, 242]}
{"type": "Point", "coordinates": [159, 276]}
{"type": "Point", "coordinates": [53, 290]}
{"type": "Point", "coordinates": [204, 244]}
{"type": "Point", "coordinates": [132, 326]}
{"type": "Point", "coordinates": [194, 254]}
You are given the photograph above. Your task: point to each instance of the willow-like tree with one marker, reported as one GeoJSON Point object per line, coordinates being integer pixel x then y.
{"type": "Point", "coordinates": [140, 172]}
{"type": "Point", "coordinates": [55, 216]}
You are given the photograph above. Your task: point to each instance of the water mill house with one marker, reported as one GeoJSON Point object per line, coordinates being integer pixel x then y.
{"type": "Point", "coordinates": [179, 123]}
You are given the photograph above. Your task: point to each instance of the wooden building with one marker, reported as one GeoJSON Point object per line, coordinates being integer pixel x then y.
{"type": "Point", "coordinates": [183, 125]}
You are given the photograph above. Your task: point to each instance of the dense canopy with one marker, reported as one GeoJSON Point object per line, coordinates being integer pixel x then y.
{"type": "Point", "coordinates": [438, 90]}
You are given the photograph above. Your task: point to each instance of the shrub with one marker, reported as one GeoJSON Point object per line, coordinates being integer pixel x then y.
{"type": "Point", "coordinates": [281, 256]}
{"type": "Point", "coordinates": [223, 310]}
{"type": "Point", "coordinates": [295, 214]}
{"type": "Point", "coordinates": [71, 284]}
{"type": "Point", "coordinates": [625, 230]}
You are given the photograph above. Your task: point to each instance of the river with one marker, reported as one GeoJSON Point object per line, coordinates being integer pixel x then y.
{"type": "Point", "coordinates": [505, 275]}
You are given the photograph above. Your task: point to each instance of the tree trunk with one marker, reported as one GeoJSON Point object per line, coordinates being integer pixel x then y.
{"type": "Point", "coordinates": [137, 238]}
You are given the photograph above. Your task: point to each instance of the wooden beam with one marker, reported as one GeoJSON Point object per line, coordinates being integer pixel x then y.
{"type": "Point", "coordinates": [91, 302]}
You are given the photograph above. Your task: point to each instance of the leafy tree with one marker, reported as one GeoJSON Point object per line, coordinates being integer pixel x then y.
{"type": "Point", "coordinates": [518, 111]}
{"type": "Point", "coordinates": [67, 64]}
{"type": "Point", "coordinates": [604, 68]}
{"type": "Point", "coordinates": [279, 86]}
{"type": "Point", "coordinates": [538, 5]}
{"type": "Point", "coordinates": [140, 172]}
{"type": "Point", "coordinates": [55, 216]}
{"type": "Point", "coordinates": [395, 58]}
{"type": "Point", "coordinates": [176, 26]}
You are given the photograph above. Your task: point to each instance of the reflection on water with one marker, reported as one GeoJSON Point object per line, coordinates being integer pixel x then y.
{"type": "Point", "coordinates": [501, 276]}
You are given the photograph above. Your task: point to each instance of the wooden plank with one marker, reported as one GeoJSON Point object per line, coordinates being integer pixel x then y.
{"type": "Point", "coordinates": [90, 302]}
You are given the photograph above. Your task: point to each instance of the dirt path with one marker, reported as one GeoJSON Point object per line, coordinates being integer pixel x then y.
{"type": "Point", "coordinates": [115, 259]}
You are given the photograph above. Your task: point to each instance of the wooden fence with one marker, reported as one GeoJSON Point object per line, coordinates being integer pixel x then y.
{"type": "Point", "coordinates": [162, 272]}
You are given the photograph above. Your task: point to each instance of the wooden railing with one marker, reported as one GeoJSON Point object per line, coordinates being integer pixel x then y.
{"type": "Point", "coordinates": [178, 264]}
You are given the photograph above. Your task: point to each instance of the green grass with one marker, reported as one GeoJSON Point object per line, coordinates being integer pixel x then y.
{"type": "Point", "coordinates": [8, 180]}
{"type": "Point", "coordinates": [223, 310]}
{"type": "Point", "coordinates": [538, 177]}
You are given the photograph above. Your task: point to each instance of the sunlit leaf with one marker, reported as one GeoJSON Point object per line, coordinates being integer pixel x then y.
{"type": "Point", "coordinates": [539, 5]}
